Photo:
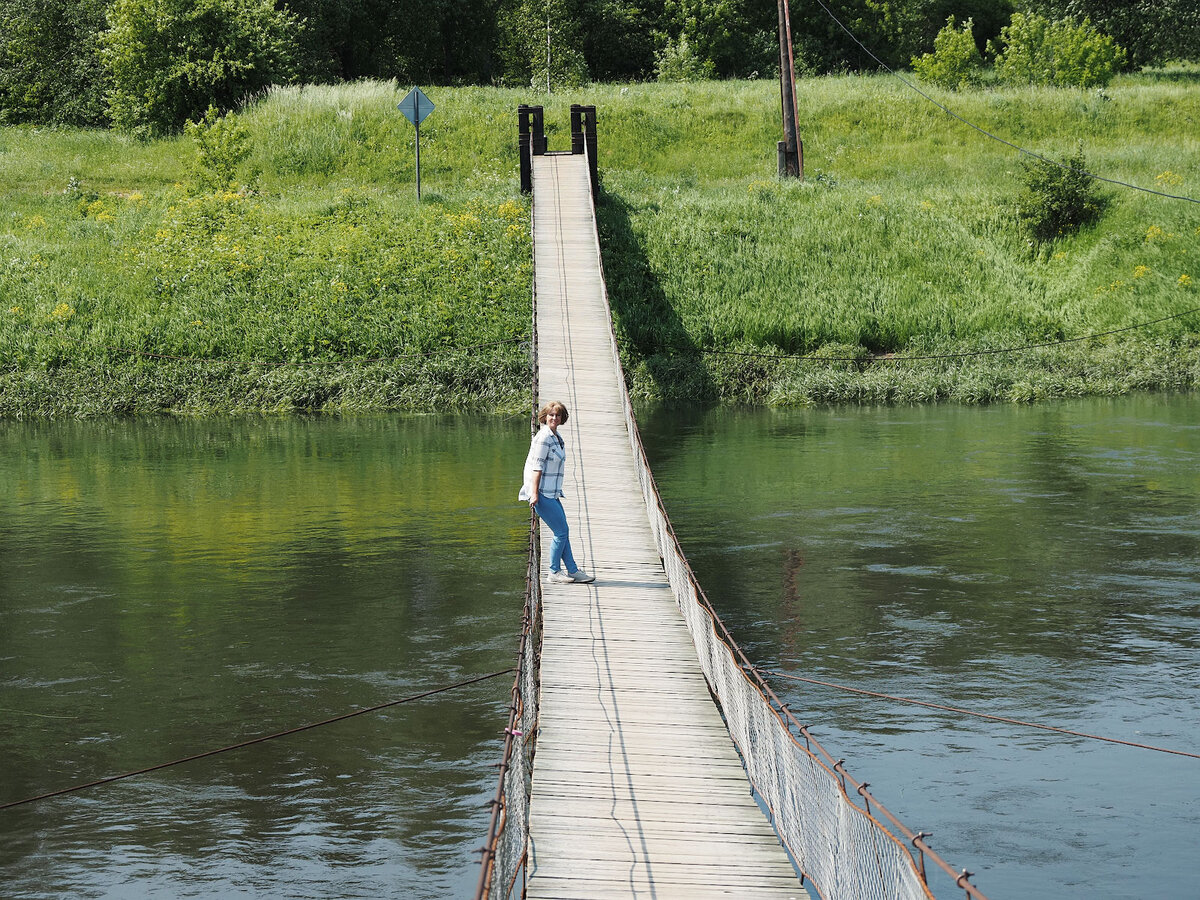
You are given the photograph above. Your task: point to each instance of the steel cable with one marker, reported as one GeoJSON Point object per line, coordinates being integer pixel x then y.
{"type": "Point", "coordinates": [967, 712]}
{"type": "Point", "coordinates": [258, 740]}
{"type": "Point", "coordinates": [987, 133]}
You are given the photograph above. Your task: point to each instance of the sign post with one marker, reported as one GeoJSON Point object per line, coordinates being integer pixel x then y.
{"type": "Point", "coordinates": [416, 107]}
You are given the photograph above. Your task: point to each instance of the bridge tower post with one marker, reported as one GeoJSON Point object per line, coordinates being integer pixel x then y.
{"type": "Point", "coordinates": [531, 141]}
{"type": "Point", "coordinates": [583, 137]}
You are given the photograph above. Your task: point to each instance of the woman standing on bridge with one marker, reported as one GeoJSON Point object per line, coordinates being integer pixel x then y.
{"type": "Point", "coordinates": [544, 469]}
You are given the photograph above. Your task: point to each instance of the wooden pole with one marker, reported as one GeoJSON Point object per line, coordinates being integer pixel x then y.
{"type": "Point", "coordinates": [790, 149]}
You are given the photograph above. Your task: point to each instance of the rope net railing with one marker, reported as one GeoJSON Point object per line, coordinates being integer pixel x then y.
{"type": "Point", "coordinates": [503, 869]}
{"type": "Point", "coordinates": [840, 844]}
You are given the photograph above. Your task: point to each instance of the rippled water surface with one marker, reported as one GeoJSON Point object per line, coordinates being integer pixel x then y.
{"type": "Point", "coordinates": [169, 587]}
{"type": "Point", "coordinates": [1040, 563]}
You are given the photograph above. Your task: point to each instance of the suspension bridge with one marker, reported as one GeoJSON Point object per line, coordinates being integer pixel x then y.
{"type": "Point", "coordinates": [645, 756]}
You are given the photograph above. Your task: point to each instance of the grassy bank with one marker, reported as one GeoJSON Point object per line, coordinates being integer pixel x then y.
{"type": "Point", "coordinates": [903, 241]}
{"type": "Point", "coordinates": [126, 288]}
{"type": "Point", "coordinates": [329, 287]}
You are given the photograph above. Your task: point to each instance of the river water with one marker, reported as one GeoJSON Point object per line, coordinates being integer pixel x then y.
{"type": "Point", "coordinates": [167, 587]}
{"type": "Point", "coordinates": [1040, 563]}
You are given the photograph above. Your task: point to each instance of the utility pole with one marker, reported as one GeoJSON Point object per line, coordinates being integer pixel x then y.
{"type": "Point", "coordinates": [791, 149]}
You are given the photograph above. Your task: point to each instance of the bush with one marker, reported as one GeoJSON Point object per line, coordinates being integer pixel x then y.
{"type": "Point", "coordinates": [1038, 51]}
{"type": "Point", "coordinates": [679, 61]}
{"type": "Point", "coordinates": [171, 59]}
{"type": "Point", "coordinates": [1058, 199]}
{"type": "Point", "coordinates": [222, 145]}
{"type": "Point", "coordinates": [955, 61]}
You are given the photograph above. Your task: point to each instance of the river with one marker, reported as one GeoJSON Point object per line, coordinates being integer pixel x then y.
{"type": "Point", "coordinates": [167, 587]}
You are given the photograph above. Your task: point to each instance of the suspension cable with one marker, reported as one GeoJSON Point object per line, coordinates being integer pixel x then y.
{"type": "Point", "coordinates": [987, 133]}
{"type": "Point", "coordinates": [252, 741]}
{"type": "Point", "coordinates": [967, 712]}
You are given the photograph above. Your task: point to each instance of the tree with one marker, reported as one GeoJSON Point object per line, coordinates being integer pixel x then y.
{"type": "Point", "coordinates": [543, 44]}
{"type": "Point", "coordinates": [169, 60]}
{"type": "Point", "coordinates": [1152, 31]}
{"type": "Point", "coordinates": [1035, 50]}
{"type": "Point", "coordinates": [50, 68]}
{"type": "Point", "coordinates": [955, 61]}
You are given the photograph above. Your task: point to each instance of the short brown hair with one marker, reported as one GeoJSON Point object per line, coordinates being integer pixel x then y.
{"type": "Point", "coordinates": [553, 406]}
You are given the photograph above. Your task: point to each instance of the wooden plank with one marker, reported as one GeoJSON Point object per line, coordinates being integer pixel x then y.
{"type": "Point", "coordinates": [637, 788]}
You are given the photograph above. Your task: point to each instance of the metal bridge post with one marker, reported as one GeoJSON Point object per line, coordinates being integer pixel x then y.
{"type": "Point", "coordinates": [589, 136]}
{"type": "Point", "coordinates": [576, 128]}
{"type": "Point", "coordinates": [525, 147]}
{"type": "Point", "coordinates": [539, 131]}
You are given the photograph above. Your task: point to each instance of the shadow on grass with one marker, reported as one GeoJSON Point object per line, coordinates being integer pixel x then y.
{"type": "Point", "coordinates": [650, 333]}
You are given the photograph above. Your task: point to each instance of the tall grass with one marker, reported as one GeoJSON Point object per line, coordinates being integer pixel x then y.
{"type": "Point", "coordinates": [314, 287]}
{"type": "Point", "coordinates": [903, 239]}
{"type": "Point", "coordinates": [325, 269]}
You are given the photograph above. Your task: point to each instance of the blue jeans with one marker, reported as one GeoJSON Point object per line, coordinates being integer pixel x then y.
{"type": "Point", "coordinates": [550, 511]}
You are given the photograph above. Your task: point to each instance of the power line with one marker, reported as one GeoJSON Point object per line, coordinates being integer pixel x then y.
{"type": "Point", "coordinates": [963, 355]}
{"type": "Point", "coordinates": [967, 712]}
{"type": "Point", "coordinates": [987, 133]}
{"type": "Point", "coordinates": [252, 741]}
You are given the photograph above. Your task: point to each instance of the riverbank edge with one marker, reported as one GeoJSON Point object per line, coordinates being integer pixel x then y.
{"type": "Point", "coordinates": [499, 383]}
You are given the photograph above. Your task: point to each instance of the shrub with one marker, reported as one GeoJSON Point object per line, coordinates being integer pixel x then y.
{"type": "Point", "coordinates": [222, 145]}
{"type": "Point", "coordinates": [955, 61]}
{"type": "Point", "coordinates": [1058, 200]}
{"type": "Point", "coordinates": [679, 61]}
{"type": "Point", "coordinates": [171, 59]}
{"type": "Point", "coordinates": [1061, 53]}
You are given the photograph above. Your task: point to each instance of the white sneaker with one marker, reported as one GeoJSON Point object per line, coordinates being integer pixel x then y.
{"type": "Point", "coordinates": [560, 577]}
{"type": "Point", "coordinates": [581, 577]}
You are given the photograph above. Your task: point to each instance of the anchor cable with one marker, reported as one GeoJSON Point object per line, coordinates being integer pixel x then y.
{"type": "Point", "coordinates": [967, 712]}
{"type": "Point", "coordinates": [257, 740]}
{"type": "Point", "coordinates": [948, 111]}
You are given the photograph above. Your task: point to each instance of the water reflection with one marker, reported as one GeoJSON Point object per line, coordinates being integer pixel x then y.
{"type": "Point", "coordinates": [167, 587]}
{"type": "Point", "coordinates": [1041, 563]}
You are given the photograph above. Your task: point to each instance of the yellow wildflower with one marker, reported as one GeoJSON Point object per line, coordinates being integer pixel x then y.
{"type": "Point", "coordinates": [62, 312]}
{"type": "Point", "coordinates": [1184, 280]}
{"type": "Point", "coordinates": [1141, 271]}
{"type": "Point", "coordinates": [1153, 233]}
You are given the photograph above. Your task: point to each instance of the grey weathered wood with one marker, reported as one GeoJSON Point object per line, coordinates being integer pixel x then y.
{"type": "Point", "coordinates": [637, 788]}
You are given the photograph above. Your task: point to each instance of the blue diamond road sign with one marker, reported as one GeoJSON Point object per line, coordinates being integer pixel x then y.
{"type": "Point", "coordinates": [415, 106]}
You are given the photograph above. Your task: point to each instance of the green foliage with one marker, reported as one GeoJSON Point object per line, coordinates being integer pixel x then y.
{"type": "Point", "coordinates": [955, 61]}
{"type": "Point", "coordinates": [1058, 200]}
{"type": "Point", "coordinates": [50, 70]}
{"type": "Point", "coordinates": [724, 35]}
{"type": "Point", "coordinates": [171, 59]}
{"type": "Point", "coordinates": [902, 240]}
{"type": "Point", "coordinates": [545, 46]}
{"type": "Point", "coordinates": [1152, 31]}
{"type": "Point", "coordinates": [222, 145]}
{"type": "Point", "coordinates": [1035, 50]}
{"type": "Point", "coordinates": [678, 61]}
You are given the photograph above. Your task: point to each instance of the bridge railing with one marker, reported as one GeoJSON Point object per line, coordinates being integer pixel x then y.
{"type": "Point", "coordinates": [503, 867]}
{"type": "Point", "coordinates": [841, 846]}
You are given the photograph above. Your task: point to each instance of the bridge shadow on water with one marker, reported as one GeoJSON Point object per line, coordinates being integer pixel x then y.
{"type": "Point", "coordinates": [654, 343]}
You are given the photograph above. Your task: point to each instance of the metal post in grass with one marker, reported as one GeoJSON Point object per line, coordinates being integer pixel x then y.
{"type": "Point", "coordinates": [790, 149]}
{"type": "Point", "coordinates": [416, 107]}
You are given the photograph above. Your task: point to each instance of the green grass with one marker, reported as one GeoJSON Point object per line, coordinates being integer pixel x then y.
{"type": "Point", "coordinates": [903, 240]}
{"type": "Point", "coordinates": [315, 290]}
{"type": "Point", "coordinates": [326, 287]}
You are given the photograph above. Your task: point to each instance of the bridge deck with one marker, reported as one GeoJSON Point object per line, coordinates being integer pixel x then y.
{"type": "Point", "coordinates": [637, 789]}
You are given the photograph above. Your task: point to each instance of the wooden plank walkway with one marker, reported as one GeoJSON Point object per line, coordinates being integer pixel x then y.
{"type": "Point", "coordinates": [637, 788]}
